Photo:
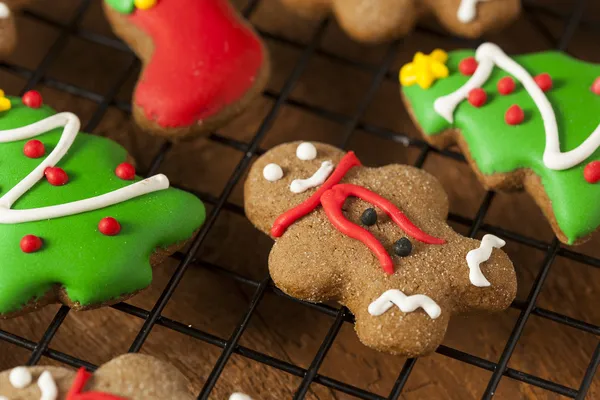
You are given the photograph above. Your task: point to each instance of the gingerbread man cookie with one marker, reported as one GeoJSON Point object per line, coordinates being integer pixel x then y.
{"type": "Point", "coordinates": [77, 226]}
{"type": "Point", "coordinates": [128, 377]}
{"type": "Point", "coordinates": [530, 121]}
{"type": "Point", "coordinates": [203, 63]}
{"type": "Point", "coordinates": [375, 240]}
{"type": "Point", "coordinates": [381, 20]}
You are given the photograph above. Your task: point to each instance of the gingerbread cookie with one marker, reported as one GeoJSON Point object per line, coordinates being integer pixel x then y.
{"type": "Point", "coordinates": [203, 63]}
{"type": "Point", "coordinates": [381, 20]}
{"type": "Point", "coordinates": [375, 240]}
{"type": "Point", "coordinates": [529, 121]}
{"type": "Point", "coordinates": [8, 30]}
{"type": "Point", "coordinates": [130, 376]}
{"type": "Point", "coordinates": [76, 224]}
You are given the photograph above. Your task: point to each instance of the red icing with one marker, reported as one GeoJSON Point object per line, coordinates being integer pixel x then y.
{"type": "Point", "coordinates": [596, 86]}
{"type": "Point", "coordinates": [591, 172]}
{"type": "Point", "coordinates": [332, 196]}
{"type": "Point", "coordinates": [31, 244]}
{"type": "Point", "coordinates": [514, 115]}
{"type": "Point", "coordinates": [477, 97]}
{"type": "Point", "coordinates": [506, 85]}
{"type": "Point", "coordinates": [56, 176]}
{"type": "Point", "coordinates": [32, 99]}
{"type": "Point", "coordinates": [468, 66]}
{"type": "Point", "coordinates": [125, 171]}
{"type": "Point", "coordinates": [204, 60]}
{"type": "Point", "coordinates": [76, 390]}
{"type": "Point", "coordinates": [34, 149]}
{"type": "Point", "coordinates": [109, 226]}
{"type": "Point", "coordinates": [544, 81]}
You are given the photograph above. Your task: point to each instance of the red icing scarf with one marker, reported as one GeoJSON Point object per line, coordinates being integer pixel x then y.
{"type": "Point", "coordinates": [332, 196]}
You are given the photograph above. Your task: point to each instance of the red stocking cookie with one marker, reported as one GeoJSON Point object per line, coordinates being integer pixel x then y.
{"type": "Point", "coordinates": [203, 63]}
{"type": "Point", "coordinates": [128, 377]}
{"type": "Point", "coordinates": [380, 20]}
{"type": "Point", "coordinates": [375, 240]}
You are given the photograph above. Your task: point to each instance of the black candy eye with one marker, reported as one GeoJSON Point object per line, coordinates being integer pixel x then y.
{"type": "Point", "coordinates": [369, 217]}
{"type": "Point", "coordinates": [403, 247]}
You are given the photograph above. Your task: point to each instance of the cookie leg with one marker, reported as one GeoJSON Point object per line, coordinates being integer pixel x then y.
{"type": "Point", "coordinates": [376, 20]}
{"type": "Point", "coordinates": [8, 31]}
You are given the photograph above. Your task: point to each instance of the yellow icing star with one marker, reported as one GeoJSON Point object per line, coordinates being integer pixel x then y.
{"type": "Point", "coordinates": [425, 69]}
{"type": "Point", "coordinates": [4, 102]}
{"type": "Point", "coordinates": [144, 4]}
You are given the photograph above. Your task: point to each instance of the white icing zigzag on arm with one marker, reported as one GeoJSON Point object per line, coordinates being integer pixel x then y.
{"type": "Point", "coordinates": [405, 303]}
{"type": "Point", "coordinates": [488, 55]}
{"type": "Point", "coordinates": [70, 123]}
{"type": "Point", "coordinates": [467, 10]}
{"type": "Point", "coordinates": [477, 256]}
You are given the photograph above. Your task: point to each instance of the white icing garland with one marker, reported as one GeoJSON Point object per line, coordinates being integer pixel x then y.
{"type": "Point", "coordinates": [71, 124]}
{"type": "Point", "coordinates": [318, 178]}
{"type": "Point", "coordinates": [467, 10]}
{"type": "Point", "coordinates": [405, 303]}
{"type": "Point", "coordinates": [4, 10]}
{"type": "Point", "coordinates": [488, 55]}
{"type": "Point", "coordinates": [20, 377]}
{"type": "Point", "coordinates": [477, 256]}
{"type": "Point", "coordinates": [47, 386]}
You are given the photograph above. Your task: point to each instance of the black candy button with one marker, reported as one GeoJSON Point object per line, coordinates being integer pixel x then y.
{"type": "Point", "coordinates": [403, 247]}
{"type": "Point", "coordinates": [369, 217]}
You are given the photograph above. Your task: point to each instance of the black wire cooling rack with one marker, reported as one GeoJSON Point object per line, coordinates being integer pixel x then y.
{"type": "Point", "coordinates": [379, 72]}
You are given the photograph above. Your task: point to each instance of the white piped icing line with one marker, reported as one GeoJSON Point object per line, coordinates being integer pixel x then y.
{"type": "Point", "coordinates": [477, 256]}
{"type": "Point", "coordinates": [71, 124]}
{"type": "Point", "coordinates": [405, 303]}
{"type": "Point", "coordinates": [467, 10]}
{"type": "Point", "coordinates": [20, 377]}
{"type": "Point", "coordinates": [488, 55]}
{"type": "Point", "coordinates": [306, 151]}
{"type": "Point", "coordinates": [4, 10]}
{"type": "Point", "coordinates": [47, 386]}
{"type": "Point", "coordinates": [239, 396]}
{"type": "Point", "coordinates": [272, 172]}
{"type": "Point", "coordinates": [318, 178]}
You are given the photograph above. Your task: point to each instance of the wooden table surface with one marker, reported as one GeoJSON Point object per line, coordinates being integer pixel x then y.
{"type": "Point", "coordinates": [280, 327]}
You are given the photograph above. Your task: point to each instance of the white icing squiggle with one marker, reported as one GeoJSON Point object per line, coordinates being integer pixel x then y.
{"type": "Point", "coordinates": [477, 256]}
{"type": "Point", "coordinates": [405, 303]}
{"type": "Point", "coordinates": [239, 396]}
{"type": "Point", "coordinates": [71, 126]}
{"type": "Point", "coordinates": [4, 10]}
{"type": "Point", "coordinates": [467, 10]}
{"type": "Point", "coordinates": [20, 377]}
{"type": "Point", "coordinates": [488, 55]}
{"type": "Point", "coordinates": [47, 386]}
{"type": "Point", "coordinates": [318, 178]}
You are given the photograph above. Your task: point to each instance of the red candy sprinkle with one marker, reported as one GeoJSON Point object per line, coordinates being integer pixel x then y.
{"type": "Point", "coordinates": [34, 149]}
{"type": "Point", "coordinates": [506, 85]}
{"type": "Point", "coordinates": [596, 86]}
{"type": "Point", "coordinates": [544, 81]}
{"type": "Point", "coordinates": [31, 243]}
{"type": "Point", "coordinates": [468, 66]}
{"type": "Point", "coordinates": [32, 99]}
{"type": "Point", "coordinates": [56, 176]}
{"type": "Point", "coordinates": [125, 171]}
{"type": "Point", "coordinates": [514, 115]}
{"type": "Point", "coordinates": [477, 97]}
{"type": "Point", "coordinates": [591, 172]}
{"type": "Point", "coordinates": [109, 226]}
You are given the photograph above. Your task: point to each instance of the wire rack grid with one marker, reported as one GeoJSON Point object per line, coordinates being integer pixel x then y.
{"type": "Point", "coordinates": [341, 315]}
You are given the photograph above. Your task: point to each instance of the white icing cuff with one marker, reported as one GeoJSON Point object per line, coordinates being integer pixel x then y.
{"type": "Point", "coordinates": [482, 254]}
{"type": "Point", "coordinates": [405, 303]}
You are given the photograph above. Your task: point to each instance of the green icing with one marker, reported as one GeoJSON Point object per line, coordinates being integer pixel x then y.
{"type": "Point", "coordinates": [497, 147]}
{"type": "Point", "coordinates": [122, 6]}
{"type": "Point", "coordinates": [92, 267]}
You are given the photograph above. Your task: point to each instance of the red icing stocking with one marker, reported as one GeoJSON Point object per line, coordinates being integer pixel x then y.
{"type": "Point", "coordinates": [204, 60]}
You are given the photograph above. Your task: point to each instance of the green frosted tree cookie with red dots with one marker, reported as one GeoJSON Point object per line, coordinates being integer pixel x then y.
{"type": "Point", "coordinates": [526, 122]}
{"type": "Point", "coordinates": [77, 226]}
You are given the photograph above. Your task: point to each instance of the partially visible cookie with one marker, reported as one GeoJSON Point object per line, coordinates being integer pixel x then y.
{"type": "Point", "coordinates": [203, 63]}
{"type": "Point", "coordinates": [8, 30]}
{"type": "Point", "coordinates": [375, 240]}
{"type": "Point", "coordinates": [381, 20]}
{"type": "Point", "coordinates": [130, 376]}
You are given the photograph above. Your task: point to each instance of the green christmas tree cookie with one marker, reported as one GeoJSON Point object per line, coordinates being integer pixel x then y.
{"type": "Point", "coordinates": [530, 121]}
{"type": "Point", "coordinates": [76, 225]}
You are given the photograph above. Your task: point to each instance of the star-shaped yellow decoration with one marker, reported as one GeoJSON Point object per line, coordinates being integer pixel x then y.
{"type": "Point", "coordinates": [425, 69]}
{"type": "Point", "coordinates": [4, 102]}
